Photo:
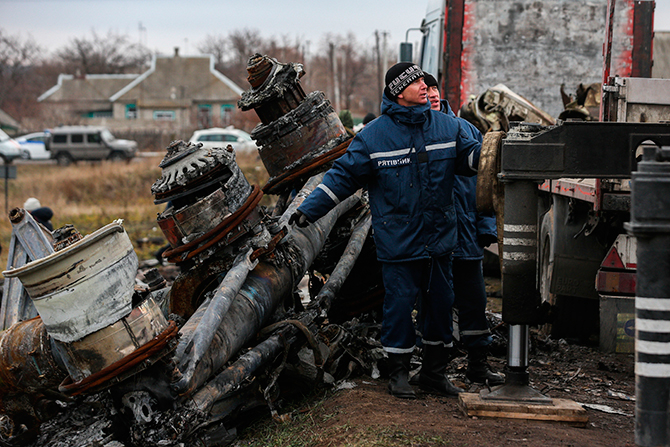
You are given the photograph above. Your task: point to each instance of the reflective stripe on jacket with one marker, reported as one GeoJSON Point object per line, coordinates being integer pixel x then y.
{"type": "Point", "coordinates": [407, 158]}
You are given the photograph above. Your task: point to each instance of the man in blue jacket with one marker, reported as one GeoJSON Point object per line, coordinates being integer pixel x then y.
{"type": "Point", "coordinates": [407, 158]}
{"type": "Point", "coordinates": [475, 231]}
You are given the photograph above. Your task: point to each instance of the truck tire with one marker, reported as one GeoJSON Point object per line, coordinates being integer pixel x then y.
{"type": "Point", "coordinates": [489, 189]}
{"type": "Point", "coordinates": [63, 159]}
{"type": "Point", "coordinates": [116, 157]}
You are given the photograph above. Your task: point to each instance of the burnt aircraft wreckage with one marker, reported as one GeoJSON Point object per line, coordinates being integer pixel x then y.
{"type": "Point", "coordinates": [178, 365]}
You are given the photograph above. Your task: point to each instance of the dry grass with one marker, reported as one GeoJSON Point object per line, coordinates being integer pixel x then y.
{"type": "Point", "coordinates": [91, 195]}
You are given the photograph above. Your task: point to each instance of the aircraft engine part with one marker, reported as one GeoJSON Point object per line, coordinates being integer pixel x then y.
{"type": "Point", "coordinates": [112, 344]}
{"type": "Point", "coordinates": [210, 200]}
{"type": "Point", "coordinates": [27, 363]}
{"type": "Point", "coordinates": [84, 287]}
{"type": "Point", "coordinates": [297, 131]}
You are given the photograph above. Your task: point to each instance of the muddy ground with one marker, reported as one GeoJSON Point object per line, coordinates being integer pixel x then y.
{"type": "Point", "coordinates": [368, 415]}
{"type": "Point", "coordinates": [364, 414]}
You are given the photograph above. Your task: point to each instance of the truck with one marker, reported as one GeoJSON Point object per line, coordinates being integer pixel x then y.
{"type": "Point", "coordinates": [585, 261]}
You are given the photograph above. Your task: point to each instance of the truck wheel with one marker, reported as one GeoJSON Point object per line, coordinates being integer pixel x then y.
{"type": "Point", "coordinates": [489, 189]}
{"type": "Point", "coordinates": [63, 159]}
{"type": "Point", "coordinates": [569, 316]}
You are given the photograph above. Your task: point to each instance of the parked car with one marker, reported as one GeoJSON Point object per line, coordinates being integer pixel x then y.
{"type": "Point", "coordinates": [73, 143]}
{"type": "Point", "coordinates": [35, 146]}
{"type": "Point", "coordinates": [220, 137]}
{"type": "Point", "coordinates": [9, 148]}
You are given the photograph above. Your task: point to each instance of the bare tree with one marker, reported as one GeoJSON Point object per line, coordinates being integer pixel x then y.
{"type": "Point", "coordinates": [345, 71]}
{"type": "Point", "coordinates": [218, 47]}
{"type": "Point", "coordinates": [243, 44]}
{"type": "Point", "coordinates": [19, 86]}
{"type": "Point", "coordinates": [354, 75]}
{"type": "Point", "coordinates": [110, 54]}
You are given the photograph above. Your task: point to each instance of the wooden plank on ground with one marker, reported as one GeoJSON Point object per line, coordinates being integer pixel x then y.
{"type": "Point", "coordinates": [561, 410]}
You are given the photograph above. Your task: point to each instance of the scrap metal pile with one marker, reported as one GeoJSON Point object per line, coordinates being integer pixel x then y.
{"type": "Point", "coordinates": [152, 364]}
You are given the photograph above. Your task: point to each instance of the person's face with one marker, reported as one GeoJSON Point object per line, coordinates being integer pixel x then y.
{"type": "Point", "coordinates": [414, 94]}
{"type": "Point", "coordinates": [434, 98]}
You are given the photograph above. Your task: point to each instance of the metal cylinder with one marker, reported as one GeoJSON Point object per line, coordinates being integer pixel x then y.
{"type": "Point", "coordinates": [650, 224]}
{"type": "Point", "coordinates": [84, 287]}
{"type": "Point", "coordinates": [517, 346]}
{"type": "Point", "coordinates": [521, 298]}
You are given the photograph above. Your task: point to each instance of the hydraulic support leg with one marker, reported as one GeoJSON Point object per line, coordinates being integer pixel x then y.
{"type": "Point", "coordinates": [520, 296]}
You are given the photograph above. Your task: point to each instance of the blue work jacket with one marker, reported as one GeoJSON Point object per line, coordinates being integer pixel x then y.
{"type": "Point", "coordinates": [471, 223]}
{"type": "Point", "coordinates": [407, 158]}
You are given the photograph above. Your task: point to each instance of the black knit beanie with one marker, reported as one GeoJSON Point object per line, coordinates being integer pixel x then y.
{"type": "Point", "coordinates": [429, 80]}
{"type": "Point", "coordinates": [399, 77]}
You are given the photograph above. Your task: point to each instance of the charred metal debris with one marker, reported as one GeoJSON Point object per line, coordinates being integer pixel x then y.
{"type": "Point", "coordinates": [180, 364]}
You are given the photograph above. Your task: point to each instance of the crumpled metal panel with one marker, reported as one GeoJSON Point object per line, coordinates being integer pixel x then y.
{"type": "Point", "coordinates": [498, 106]}
{"type": "Point", "coordinates": [84, 287]}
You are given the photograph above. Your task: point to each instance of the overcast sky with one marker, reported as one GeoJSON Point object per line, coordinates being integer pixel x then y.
{"type": "Point", "coordinates": [164, 24]}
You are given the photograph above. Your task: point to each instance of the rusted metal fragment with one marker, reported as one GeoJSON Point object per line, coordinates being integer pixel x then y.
{"type": "Point", "coordinates": [84, 287]}
{"type": "Point", "coordinates": [278, 93]}
{"type": "Point", "coordinates": [311, 128]}
{"type": "Point", "coordinates": [186, 223]}
{"type": "Point", "coordinates": [295, 128]}
{"type": "Point", "coordinates": [129, 365]}
{"type": "Point", "coordinates": [211, 204]}
{"type": "Point", "coordinates": [111, 344]}
{"type": "Point", "coordinates": [306, 168]}
{"type": "Point", "coordinates": [27, 363]}
{"type": "Point", "coordinates": [66, 236]}
{"type": "Point", "coordinates": [234, 226]}
{"type": "Point", "coordinates": [189, 288]}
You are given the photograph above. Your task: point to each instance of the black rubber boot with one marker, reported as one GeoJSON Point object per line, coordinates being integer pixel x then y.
{"type": "Point", "coordinates": [479, 370]}
{"type": "Point", "coordinates": [433, 378]}
{"type": "Point", "coordinates": [399, 373]}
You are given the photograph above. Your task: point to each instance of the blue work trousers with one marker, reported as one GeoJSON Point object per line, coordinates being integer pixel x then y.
{"type": "Point", "coordinates": [404, 282]}
{"type": "Point", "coordinates": [470, 300]}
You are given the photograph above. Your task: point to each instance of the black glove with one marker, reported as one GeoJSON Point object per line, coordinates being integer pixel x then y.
{"type": "Point", "coordinates": [485, 240]}
{"type": "Point", "coordinates": [299, 219]}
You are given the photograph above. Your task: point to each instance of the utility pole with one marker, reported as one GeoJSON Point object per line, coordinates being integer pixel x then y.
{"type": "Point", "coordinates": [384, 52]}
{"type": "Point", "coordinates": [336, 85]}
{"type": "Point", "coordinates": [380, 73]}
